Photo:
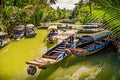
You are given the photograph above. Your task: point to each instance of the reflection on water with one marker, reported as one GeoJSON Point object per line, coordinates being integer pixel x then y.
{"type": "Point", "coordinates": [103, 65]}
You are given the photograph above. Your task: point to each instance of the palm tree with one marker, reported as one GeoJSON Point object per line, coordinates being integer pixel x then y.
{"type": "Point", "coordinates": [112, 7]}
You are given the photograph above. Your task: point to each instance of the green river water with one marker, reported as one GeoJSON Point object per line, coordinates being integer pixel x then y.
{"type": "Point", "coordinates": [103, 65]}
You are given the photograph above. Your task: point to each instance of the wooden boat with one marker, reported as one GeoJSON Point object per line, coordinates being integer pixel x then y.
{"type": "Point", "coordinates": [19, 32]}
{"type": "Point", "coordinates": [95, 24]}
{"type": "Point", "coordinates": [3, 39]}
{"type": "Point", "coordinates": [91, 47]}
{"type": "Point", "coordinates": [90, 30]}
{"type": "Point", "coordinates": [30, 30]}
{"type": "Point", "coordinates": [92, 25]}
{"type": "Point", "coordinates": [52, 32]}
{"type": "Point", "coordinates": [59, 52]}
{"type": "Point", "coordinates": [52, 56]}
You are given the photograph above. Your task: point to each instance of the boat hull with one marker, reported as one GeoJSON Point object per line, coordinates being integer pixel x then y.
{"type": "Point", "coordinates": [31, 35]}
{"type": "Point", "coordinates": [86, 53]}
{"type": "Point", "coordinates": [3, 43]}
{"type": "Point", "coordinates": [18, 36]}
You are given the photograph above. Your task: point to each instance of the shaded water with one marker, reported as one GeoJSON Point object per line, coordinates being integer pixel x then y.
{"type": "Point", "coordinates": [103, 65]}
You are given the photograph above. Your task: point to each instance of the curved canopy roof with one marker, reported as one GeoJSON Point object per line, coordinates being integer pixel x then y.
{"type": "Point", "coordinates": [30, 25]}
{"type": "Point", "coordinates": [2, 34]}
{"type": "Point", "coordinates": [19, 27]}
{"type": "Point", "coordinates": [52, 27]}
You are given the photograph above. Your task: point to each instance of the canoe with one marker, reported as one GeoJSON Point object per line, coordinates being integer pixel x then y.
{"type": "Point", "coordinates": [91, 43]}
{"type": "Point", "coordinates": [90, 30]}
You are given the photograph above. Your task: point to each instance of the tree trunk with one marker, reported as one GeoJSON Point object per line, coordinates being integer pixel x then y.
{"type": "Point", "coordinates": [14, 2]}
{"type": "Point", "coordinates": [0, 2]}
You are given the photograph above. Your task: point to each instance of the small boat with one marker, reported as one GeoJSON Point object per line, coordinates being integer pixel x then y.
{"type": "Point", "coordinates": [95, 24]}
{"type": "Point", "coordinates": [3, 39]}
{"type": "Point", "coordinates": [92, 25]}
{"type": "Point", "coordinates": [19, 32]}
{"type": "Point", "coordinates": [90, 30]}
{"type": "Point", "coordinates": [30, 30]}
{"type": "Point", "coordinates": [52, 32]}
{"type": "Point", "coordinates": [92, 46]}
{"type": "Point", "coordinates": [52, 56]}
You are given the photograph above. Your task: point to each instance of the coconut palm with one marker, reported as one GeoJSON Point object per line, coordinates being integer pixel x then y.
{"type": "Point", "coordinates": [112, 7]}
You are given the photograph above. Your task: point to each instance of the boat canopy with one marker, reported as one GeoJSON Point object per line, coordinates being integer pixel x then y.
{"type": "Point", "coordinates": [95, 24]}
{"type": "Point", "coordinates": [2, 34]}
{"type": "Point", "coordinates": [19, 27]}
{"type": "Point", "coordinates": [101, 35]}
{"type": "Point", "coordinates": [30, 26]}
{"type": "Point", "coordinates": [52, 27]}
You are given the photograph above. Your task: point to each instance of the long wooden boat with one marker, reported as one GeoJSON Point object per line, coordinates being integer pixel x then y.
{"type": "Point", "coordinates": [90, 30]}
{"type": "Point", "coordinates": [3, 39]}
{"type": "Point", "coordinates": [94, 46]}
{"type": "Point", "coordinates": [92, 25]}
{"type": "Point", "coordinates": [53, 55]}
{"type": "Point", "coordinates": [88, 49]}
{"type": "Point", "coordinates": [30, 30]}
{"type": "Point", "coordinates": [19, 32]}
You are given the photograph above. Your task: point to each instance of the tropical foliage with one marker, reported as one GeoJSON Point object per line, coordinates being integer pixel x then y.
{"type": "Point", "coordinates": [111, 16]}
{"type": "Point", "coordinates": [104, 11]}
{"type": "Point", "coordinates": [15, 12]}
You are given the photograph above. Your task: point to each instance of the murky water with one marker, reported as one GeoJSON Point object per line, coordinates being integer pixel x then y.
{"type": "Point", "coordinates": [103, 65]}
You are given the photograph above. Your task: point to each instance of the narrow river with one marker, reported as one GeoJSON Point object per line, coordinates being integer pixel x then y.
{"type": "Point", "coordinates": [103, 65]}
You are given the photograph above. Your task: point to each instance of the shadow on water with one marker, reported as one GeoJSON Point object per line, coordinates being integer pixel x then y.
{"type": "Point", "coordinates": [107, 55]}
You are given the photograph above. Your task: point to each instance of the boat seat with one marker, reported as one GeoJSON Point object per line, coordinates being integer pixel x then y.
{"type": "Point", "coordinates": [57, 51]}
{"type": "Point", "coordinates": [61, 47]}
{"type": "Point", "coordinates": [49, 57]}
{"type": "Point", "coordinates": [40, 61]}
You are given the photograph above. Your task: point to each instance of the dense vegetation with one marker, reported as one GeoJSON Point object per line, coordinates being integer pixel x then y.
{"type": "Point", "coordinates": [15, 12]}
{"type": "Point", "coordinates": [103, 11]}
